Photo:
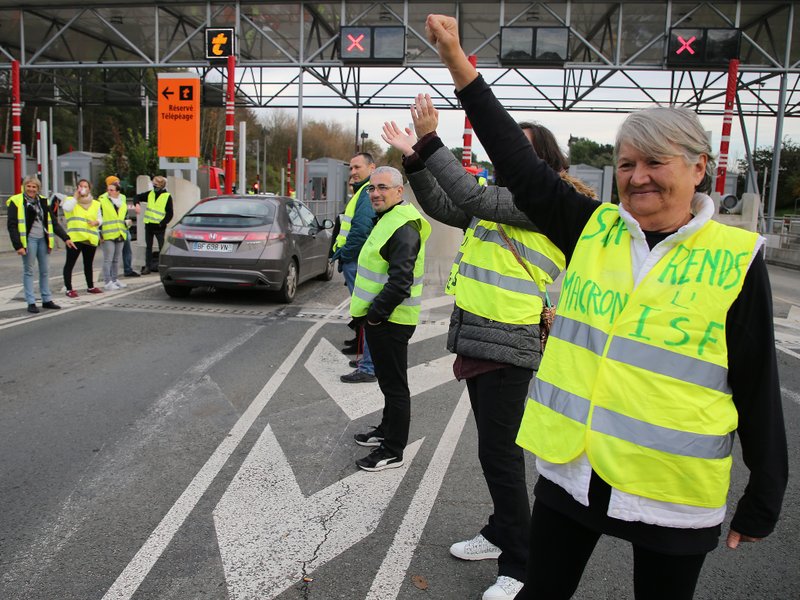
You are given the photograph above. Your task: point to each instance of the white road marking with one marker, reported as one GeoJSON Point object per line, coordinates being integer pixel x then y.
{"type": "Point", "coordinates": [89, 302]}
{"type": "Point", "coordinates": [271, 535]}
{"type": "Point", "coordinates": [137, 570]}
{"type": "Point", "coordinates": [326, 364]}
{"type": "Point", "coordinates": [437, 302]}
{"type": "Point", "coordinates": [793, 396]}
{"type": "Point", "coordinates": [392, 572]}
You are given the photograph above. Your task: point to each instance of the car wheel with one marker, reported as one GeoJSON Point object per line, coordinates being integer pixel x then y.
{"type": "Point", "coordinates": [327, 274]}
{"type": "Point", "coordinates": [177, 291]}
{"type": "Point", "coordinates": [289, 288]}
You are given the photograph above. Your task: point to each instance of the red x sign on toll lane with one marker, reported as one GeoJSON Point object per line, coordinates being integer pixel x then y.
{"type": "Point", "coordinates": [355, 42]}
{"type": "Point", "coordinates": [686, 45]}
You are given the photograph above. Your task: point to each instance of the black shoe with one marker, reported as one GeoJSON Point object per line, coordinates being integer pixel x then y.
{"type": "Point", "coordinates": [132, 274]}
{"type": "Point", "coordinates": [358, 377]}
{"type": "Point", "coordinates": [145, 271]}
{"type": "Point", "coordinates": [353, 364]}
{"type": "Point", "coordinates": [378, 460]}
{"type": "Point", "coordinates": [32, 308]}
{"type": "Point", "coordinates": [374, 437]}
{"type": "Point", "coordinates": [350, 350]}
{"type": "Point", "coordinates": [353, 342]}
{"type": "Point", "coordinates": [51, 305]}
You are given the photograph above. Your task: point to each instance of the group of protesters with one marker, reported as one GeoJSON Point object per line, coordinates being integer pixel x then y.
{"type": "Point", "coordinates": [662, 348]}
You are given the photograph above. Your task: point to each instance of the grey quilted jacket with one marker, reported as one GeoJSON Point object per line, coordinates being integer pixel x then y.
{"type": "Point", "coordinates": [470, 334]}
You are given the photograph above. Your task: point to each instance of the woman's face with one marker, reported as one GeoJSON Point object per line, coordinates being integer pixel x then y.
{"type": "Point", "coordinates": [112, 191]}
{"type": "Point", "coordinates": [657, 192]}
{"type": "Point", "coordinates": [83, 188]}
{"type": "Point", "coordinates": [31, 189]}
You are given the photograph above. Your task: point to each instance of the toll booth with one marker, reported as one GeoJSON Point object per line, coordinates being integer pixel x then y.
{"type": "Point", "coordinates": [325, 192]}
{"type": "Point", "coordinates": [77, 165]}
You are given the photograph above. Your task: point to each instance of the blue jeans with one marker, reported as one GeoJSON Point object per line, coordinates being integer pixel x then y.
{"type": "Point", "coordinates": [127, 256]}
{"type": "Point", "coordinates": [37, 250]}
{"type": "Point", "coordinates": [365, 362]}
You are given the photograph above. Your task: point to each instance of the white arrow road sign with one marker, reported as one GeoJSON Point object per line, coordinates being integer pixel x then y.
{"type": "Point", "coordinates": [270, 535]}
{"type": "Point", "coordinates": [327, 364]}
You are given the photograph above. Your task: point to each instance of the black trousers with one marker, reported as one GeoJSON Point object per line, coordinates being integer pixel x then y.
{"type": "Point", "coordinates": [560, 547]}
{"type": "Point", "coordinates": [149, 233]}
{"type": "Point", "coordinates": [498, 401]}
{"type": "Point", "coordinates": [87, 250]}
{"type": "Point", "coordinates": [388, 343]}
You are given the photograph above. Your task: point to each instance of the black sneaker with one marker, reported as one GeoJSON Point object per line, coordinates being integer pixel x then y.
{"type": "Point", "coordinates": [51, 305]}
{"type": "Point", "coordinates": [132, 274]}
{"type": "Point", "coordinates": [358, 377]}
{"type": "Point", "coordinates": [353, 364]}
{"type": "Point", "coordinates": [350, 350]}
{"type": "Point", "coordinates": [352, 342]}
{"type": "Point", "coordinates": [373, 437]}
{"type": "Point", "coordinates": [32, 308]}
{"type": "Point", "coordinates": [378, 460]}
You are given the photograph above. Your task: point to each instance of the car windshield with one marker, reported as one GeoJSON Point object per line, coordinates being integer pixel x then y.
{"type": "Point", "coordinates": [229, 212]}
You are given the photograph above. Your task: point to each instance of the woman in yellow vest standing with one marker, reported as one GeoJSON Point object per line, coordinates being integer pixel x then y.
{"type": "Point", "coordinates": [499, 277]}
{"type": "Point", "coordinates": [32, 225]}
{"type": "Point", "coordinates": [83, 216]}
{"type": "Point", "coordinates": [662, 349]}
{"type": "Point", "coordinates": [114, 231]}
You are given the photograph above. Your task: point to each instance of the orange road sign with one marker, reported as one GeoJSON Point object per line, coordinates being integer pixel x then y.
{"type": "Point", "coordinates": [178, 115]}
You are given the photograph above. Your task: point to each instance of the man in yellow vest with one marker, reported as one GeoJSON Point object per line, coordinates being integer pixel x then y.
{"type": "Point", "coordinates": [157, 216]}
{"type": "Point", "coordinates": [387, 295]}
{"type": "Point", "coordinates": [354, 226]}
{"type": "Point", "coordinates": [32, 225]}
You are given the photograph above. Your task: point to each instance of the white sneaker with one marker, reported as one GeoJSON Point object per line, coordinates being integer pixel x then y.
{"type": "Point", "coordinates": [478, 548]}
{"type": "Point", "coordinates": [110, 286]}
{"type": "Point", "coordinates": [120, 285]}
{"type": "Point", "coordinates": [504, 588]}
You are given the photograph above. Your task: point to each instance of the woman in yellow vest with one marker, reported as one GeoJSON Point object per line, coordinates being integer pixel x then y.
{"type": "Point", "coordinates": [662, 350]}
{"type": "Point", "coordinates": [83, 216]}
{"type": "Point", "coordinates": [494, 328]}
{"type": "Point", "coordinates": [114, 232]}
{"type": "Point", "coordinates": [33, 225]}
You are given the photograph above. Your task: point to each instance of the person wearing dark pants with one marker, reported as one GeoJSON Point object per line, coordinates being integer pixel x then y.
{"type": "Point", "coordinates": [386, 301]}
{"type": "Point", "coordinates": [84, 218]}
{"type": "Point", "coordinates": [157, 216]}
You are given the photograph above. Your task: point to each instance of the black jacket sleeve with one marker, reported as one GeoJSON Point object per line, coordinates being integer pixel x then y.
{"type": "Point", "coordinates": [168, 213]}
{"type": "Point", "coordinates": [400, 251]}
{"type": "Point", "coordinates": [753, 377]}
{"type": "Point", "coordinates": [554, 206]}
{"type": "Point", "coordinates": [13, 227]}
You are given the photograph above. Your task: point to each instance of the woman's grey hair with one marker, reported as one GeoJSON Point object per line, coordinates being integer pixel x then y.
{"type": "Point", "coordinates": [31, 179]}
{"type": "Point", "coordinates": [396, 176]}
{"type": "Point", "coordinates": [662, 131]}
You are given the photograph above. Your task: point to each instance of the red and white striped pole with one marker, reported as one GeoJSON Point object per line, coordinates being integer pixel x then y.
{"type": "Point", "coordinates": [289, 171]}
{"type": "Point", "coordinates": [39, 149]}
{"type": "Point", "coordinates": [16, 125]}
{"type": "Point", "coordinates": [229, 114]}
{"type": "Point", "coordinates": [727, 119]}
{"type": "Point", "coordinates": [466, 154]}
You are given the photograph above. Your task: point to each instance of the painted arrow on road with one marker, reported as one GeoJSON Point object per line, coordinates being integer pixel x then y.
{"type": "Point", "coordinates": [327, 364]}
{"type": "Point", "coordinates": [270, 535]}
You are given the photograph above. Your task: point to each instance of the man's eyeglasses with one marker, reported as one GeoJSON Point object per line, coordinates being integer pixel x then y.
{"type": "Point", "coordinates": [381, 188]}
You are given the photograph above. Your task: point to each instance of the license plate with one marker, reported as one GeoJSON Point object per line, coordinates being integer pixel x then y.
{"type": "Point", "coordinates": [213, 247]}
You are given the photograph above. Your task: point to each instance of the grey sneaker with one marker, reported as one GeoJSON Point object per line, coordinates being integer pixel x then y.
{"type": "Point", "coordinates": [505, 588]}
{"type": "Point", "coordinates": [478, 548]}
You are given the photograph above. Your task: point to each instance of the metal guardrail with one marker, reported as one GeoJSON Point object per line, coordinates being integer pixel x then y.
{"type": "Point", "coordinates": [787, 228]}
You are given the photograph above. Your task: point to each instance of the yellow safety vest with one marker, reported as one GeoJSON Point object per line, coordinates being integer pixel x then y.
{"type": "Point", "coordinates": [113, 226]}
{"type": "Point", "coordinates": [372, 273]}
{"type": "Point", "coordinates": [78, 226]}
{"type": "Point", "coordinates": [346, 218]}
{"type": "Point", "coordinates": [18, 200]}
{"type": "Point", "coordinates": [488, 280]}
{"type": "Point", "coordinates": [156, 207]}
{"type": "Point", "coordinates": [638, 378]}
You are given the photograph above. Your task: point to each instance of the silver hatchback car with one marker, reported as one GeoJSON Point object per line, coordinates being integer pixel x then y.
{"type": "Point", "coordinates": [239, 242]}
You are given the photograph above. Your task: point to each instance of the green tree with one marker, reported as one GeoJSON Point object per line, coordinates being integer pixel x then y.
{"type": "Point", "coordinates": [583, 151]}
{"type": "Point", "coordinates": [788, 176]}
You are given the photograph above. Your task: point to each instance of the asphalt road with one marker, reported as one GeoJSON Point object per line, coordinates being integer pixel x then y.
{"type": "Point", "coordinates": [202, 448]}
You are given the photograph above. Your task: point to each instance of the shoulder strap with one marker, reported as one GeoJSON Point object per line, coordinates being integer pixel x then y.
{"type": "Point", "coordinates": [515, 252]}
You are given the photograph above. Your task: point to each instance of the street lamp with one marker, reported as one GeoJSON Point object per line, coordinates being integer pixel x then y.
{"type": "Point", "coordinates": [364, 136]}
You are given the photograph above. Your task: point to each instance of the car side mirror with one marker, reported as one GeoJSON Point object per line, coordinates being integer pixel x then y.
{"type": "Point", "coordinates": [327, 224]}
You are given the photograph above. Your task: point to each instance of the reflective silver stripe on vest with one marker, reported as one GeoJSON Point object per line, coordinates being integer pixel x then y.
{"type": "Point", "coordinates": [580, 334]}
{"type": "Point", "coordinates": [366, 296]}
{"type": "Point", "coordinates": [671, 364]}
{"type": "Point", "coordinates": [153, 211]}
{"type": "Point", "coordinates": [376, 277]}
{"type": "Point", "coordinates": [512, 284]}
{"type": "Point", "coordinates": [458, 257]}
{"type": "Point", "coordinates": [532, 256]}
{"type": "Point", "coordinates": [563, 402]}
{"type": "Point", "coordinates": [682, 443]}
{"type": "Point", "coordinates": [77, 219]}
{"type": "Point", "coordinates": [343, 218]}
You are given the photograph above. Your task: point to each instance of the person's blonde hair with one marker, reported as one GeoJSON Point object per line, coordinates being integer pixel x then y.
{"type": "Point", "coordinates": [31, 179]}
{"type": "Point", "coordinates": [159, 181]}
